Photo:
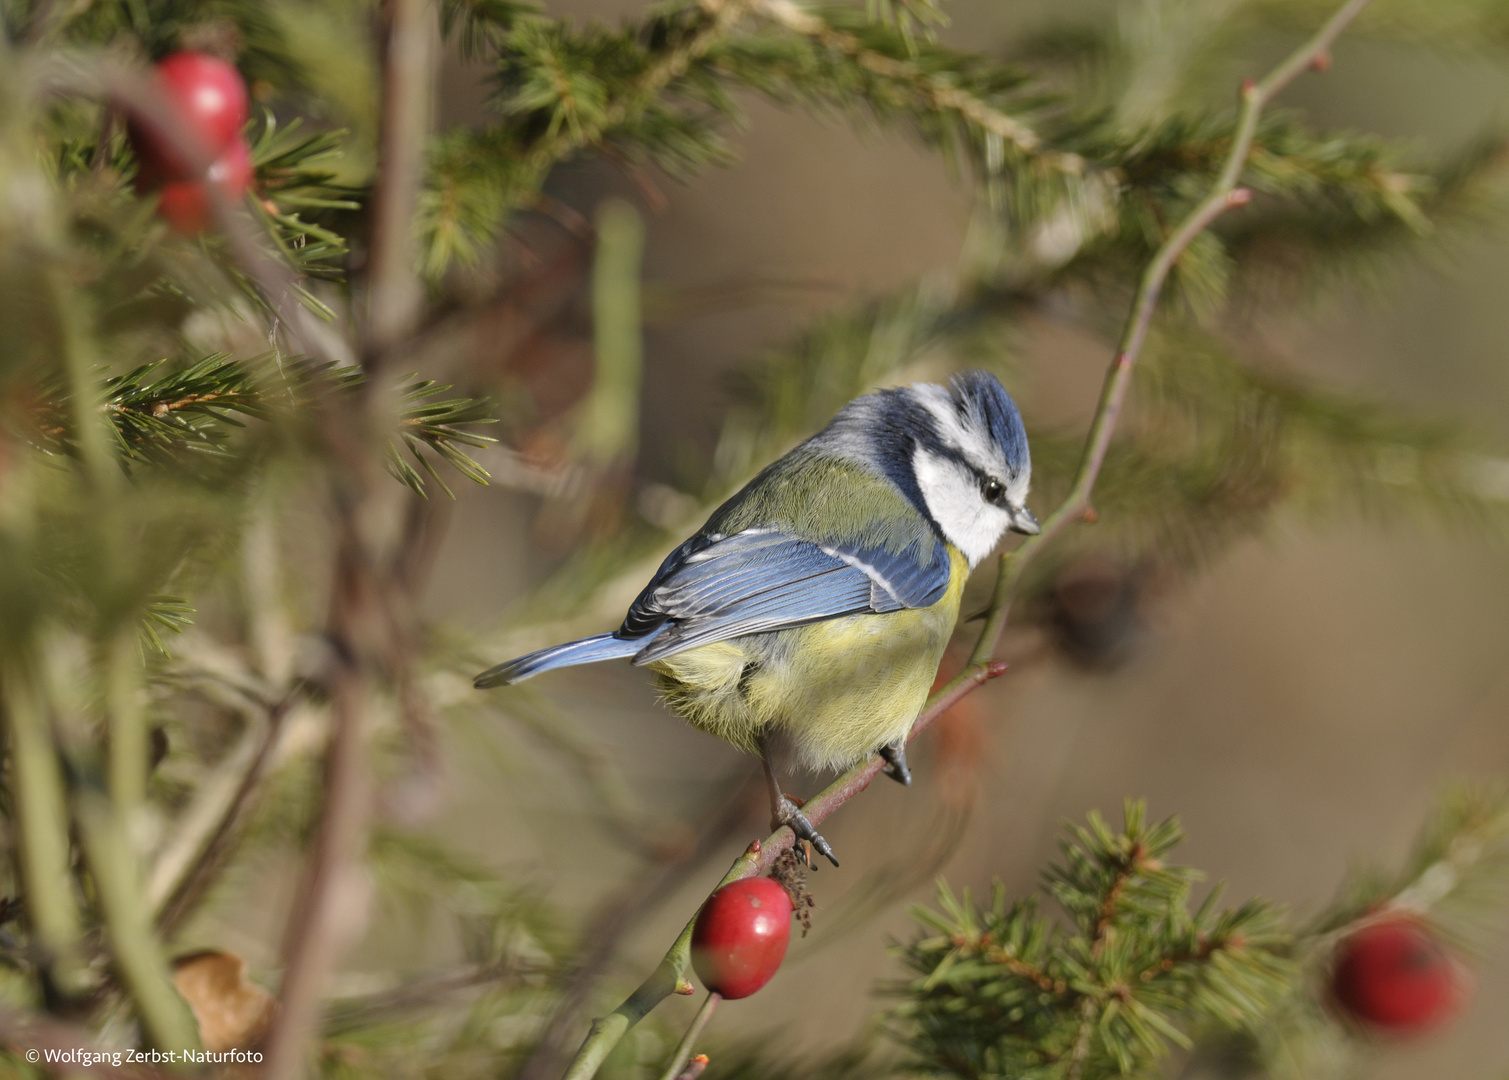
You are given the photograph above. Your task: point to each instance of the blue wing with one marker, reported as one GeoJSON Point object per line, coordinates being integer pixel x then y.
{"type": "Point", "coordinates": [715, 588]}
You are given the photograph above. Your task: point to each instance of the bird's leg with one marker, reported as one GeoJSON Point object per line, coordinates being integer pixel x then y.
{"type": "Point", "coordinates": [785, 812]}
{"type": "Point", "coordinates": [895, 762]}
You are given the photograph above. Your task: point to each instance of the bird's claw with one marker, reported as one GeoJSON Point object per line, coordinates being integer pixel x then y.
{"type": "Point", "coordinates": [895, 763]}
{"type": "Point", "coordinates": [787, 814]}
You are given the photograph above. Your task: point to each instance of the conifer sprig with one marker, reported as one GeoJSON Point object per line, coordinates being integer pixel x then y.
{"type": "Point", "coordinates": [158, 416]}
{"type": "Point", "coordinates": [836, 55]}
{"type": "Point", "coordinates": [300, 198]}
{"type": "Point", "coordinates": [1002, 990]}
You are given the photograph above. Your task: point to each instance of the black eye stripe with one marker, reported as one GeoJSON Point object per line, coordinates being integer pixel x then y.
{"type": "Point", "coordinates": [982, 478]}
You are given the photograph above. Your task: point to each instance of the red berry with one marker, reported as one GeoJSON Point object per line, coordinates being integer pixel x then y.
{"type": "Point", "coordinates": [185, 205]}
{"type": "Point", "coordinates": [210, 96]}
{"type": "Point", "coordinates": [740, 936]}
{"type": "Point", "coordinates": [1395, 975]}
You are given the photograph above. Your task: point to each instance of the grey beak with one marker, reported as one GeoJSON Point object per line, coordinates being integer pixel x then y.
{"type": "Point", "coordinates": [1022, 521]}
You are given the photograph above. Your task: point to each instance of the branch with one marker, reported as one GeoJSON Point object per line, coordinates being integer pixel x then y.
{"type": "Point", "coordinates": [351, 1013]}
{"type": "Point", "coordinates": [370, 620]}
{"type": "Point", "coordinates": [684, 1048]}
{"type": "Point", "coordinates": [331, 901]}
{"type": "Point", "coordinates": [1224, 195]}
{"type": "Point", "coordinates": [394, 295]}
{"type": "Point", "coordinates": [138, 956]}
{"type": "Point", "coordinates": [186, 867]}
{"type": "Point", "coordinates": [39, 827]}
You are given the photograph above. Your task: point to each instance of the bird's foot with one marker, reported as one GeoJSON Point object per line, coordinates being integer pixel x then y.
{"type": "Point", "coordinates": [786, 813]}
{"type": "Point", "coordinates": [895, 762]}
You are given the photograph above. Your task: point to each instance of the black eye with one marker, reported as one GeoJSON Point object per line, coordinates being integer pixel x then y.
{"type": "Point", "coordinates": [993, 490]}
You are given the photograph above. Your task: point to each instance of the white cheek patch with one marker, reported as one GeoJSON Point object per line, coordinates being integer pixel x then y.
{"type": "Point", "coordinates": [953, 497]}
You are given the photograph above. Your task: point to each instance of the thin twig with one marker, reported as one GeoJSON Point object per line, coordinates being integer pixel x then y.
{"type": "Point", "coordinates": [684, 1048]}
{"type": "Point", "coordinates": [350, 1013]}
{"type": "Point", "coordinates": [186, 868]}
{"type": "Point", "coordinates": [1224, 195]}
{"type": "Point", "coordinates": [394, 296]}
{"type": "Point", "coordinates": [1081, 1051]}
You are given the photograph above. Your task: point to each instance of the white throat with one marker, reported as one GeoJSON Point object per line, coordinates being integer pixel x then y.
{"type": "Point", "coordinates": [952, 495]}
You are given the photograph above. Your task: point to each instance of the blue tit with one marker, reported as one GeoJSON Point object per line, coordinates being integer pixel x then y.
{"type": "Point", "coordinates": [816, 602]}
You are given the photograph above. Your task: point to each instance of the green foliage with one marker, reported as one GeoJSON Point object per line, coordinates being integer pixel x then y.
{"type": "Point", "coordinates": [1004, 991]}
{"type": "Point", "coordinates": [162, 416]}
{"type": "Point", "coordinates": [442, 427]}
{"type": "Point", "coordinates": [157, 419]}
{"type": "Point", "coordinates": [292, 182]}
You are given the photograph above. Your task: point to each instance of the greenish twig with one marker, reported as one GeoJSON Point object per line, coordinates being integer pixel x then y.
{"type": "Point", "coordinates": [684, 1048]}
{"type": "Point", "coordinates": [610, 414]}
{"type": "Point", "coordinates": [138, 960]}
{"type": "Point", "coordinates": [41, 815]}
{"type": "Point", "coordinates": [129, 749]}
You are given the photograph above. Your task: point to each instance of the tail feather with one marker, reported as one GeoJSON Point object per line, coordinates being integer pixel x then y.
{"type": "Point", "coordinates": [586, 651]}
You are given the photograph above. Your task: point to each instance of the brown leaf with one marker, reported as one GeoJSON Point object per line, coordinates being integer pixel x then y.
{"type": "Point", "coordinates": [233, 1012]}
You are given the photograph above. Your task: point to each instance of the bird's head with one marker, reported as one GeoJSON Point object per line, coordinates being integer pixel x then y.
{"type": "Point", "coordinates": [972, 466]}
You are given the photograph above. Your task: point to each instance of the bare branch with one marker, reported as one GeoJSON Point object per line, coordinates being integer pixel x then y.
{"type": "Point", "coordinates": [394, 295]}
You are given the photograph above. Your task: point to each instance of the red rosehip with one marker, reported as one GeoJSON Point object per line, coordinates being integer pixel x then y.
{"type": "Point", "coordinates": [185, 205]}
{"type": "Point", "coordinates": [210, 96]}
{"type": "Point", "coordinates": [740, 936]}
{"type": "Point", "coordinates": [1395, 975]}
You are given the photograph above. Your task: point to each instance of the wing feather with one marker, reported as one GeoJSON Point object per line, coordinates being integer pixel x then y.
{"type": "Point", "coordinates": [761, 580]}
